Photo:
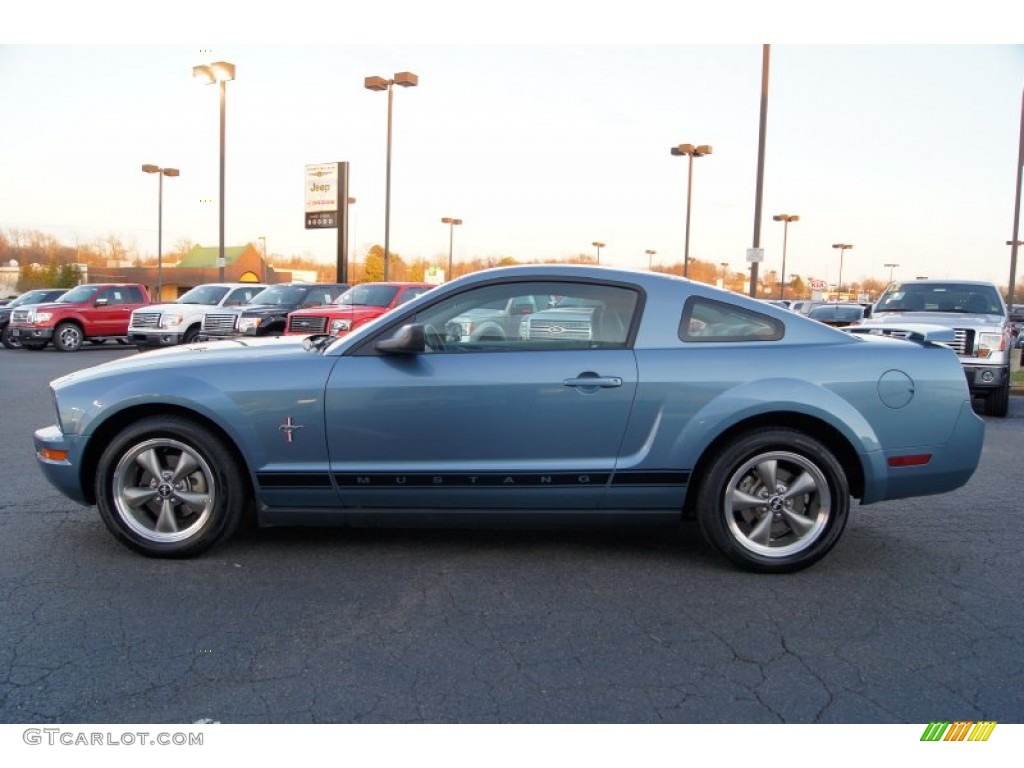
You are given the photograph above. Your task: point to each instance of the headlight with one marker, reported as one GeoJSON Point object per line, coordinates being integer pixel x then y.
{"type": "Point", "coordinates": [170, 320]}
{"type": "Point", "coordinates": [39, 317]}
{"type": "Point", "coordinates": [990, 343]}
{"type": "Point", "coordinates": [246, 324]}
{"type": "Point", "coordinates": [338, 326]}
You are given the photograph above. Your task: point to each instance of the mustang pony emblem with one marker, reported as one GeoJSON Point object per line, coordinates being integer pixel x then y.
{"type": "Point", "coordinates": [288, 428]}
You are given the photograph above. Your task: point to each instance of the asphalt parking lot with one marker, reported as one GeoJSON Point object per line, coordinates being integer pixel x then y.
{"type": "Point", "coordinates": [916, 615]}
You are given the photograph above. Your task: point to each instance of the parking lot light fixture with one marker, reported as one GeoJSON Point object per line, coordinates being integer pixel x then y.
{"type": "Point", "coordinates": [785, 218]}
{"type": "Point", "coordinates": [599, 246]}
{"type": "Point", "coordinates": [219, 72]}
{"type": "Point", "coordinates": [843, 247]}
{"type": "Point", "coordinates": [160, 172]}
{"type": "Point", "coordinates": [452, 223]}
{"type": "Point", "coordinates": [690, 151]}
{"type": "Point", "coordinates": [891, 268]}
{"type": "Point", "coordinates": [650, 259]}
{"type": "Point", "coordinates": [375, 83]}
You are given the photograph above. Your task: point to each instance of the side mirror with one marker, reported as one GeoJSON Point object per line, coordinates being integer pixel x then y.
{"type": "Point", "coordinates": [407, 340]}
{"type": "Point", "coordinates": [101, 302]}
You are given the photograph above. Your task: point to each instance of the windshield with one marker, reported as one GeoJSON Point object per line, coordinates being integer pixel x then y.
{"type": "Point", "coordinates": [285, 295]}
{"type": "Point", "coordinates": [32, 297]}
{"type": "Point", "coordinates": [78, 295]}
{"type": "Point", "coordinates": [368, 296]}
{"type": "Point", "coordinates": [203, 294]}
{"type": "Point", "coordinates": [972, 298]}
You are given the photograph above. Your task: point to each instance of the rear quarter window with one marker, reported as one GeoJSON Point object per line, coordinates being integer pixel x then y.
{"type": "Point", "coordinates": [707, 320]}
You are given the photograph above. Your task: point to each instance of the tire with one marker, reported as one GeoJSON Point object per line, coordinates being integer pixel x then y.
{"type": "Point", "coordinates": [149, 508]}
{"type": "Point", "coordinates": [781, 530]}
{"type": "Point", "coordinates": [9, 341]}
{"type": "Point", "coordinates": [190, 335]}
{"type": "Point", "coordinates": [997, 402]}
{"type": "Point", "coordinates": [68, 337]}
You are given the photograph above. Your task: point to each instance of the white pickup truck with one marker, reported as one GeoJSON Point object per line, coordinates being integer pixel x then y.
{"type": "Point", "coordinates": [163, 325]}
{"type": "Point", "coordinates": [977, 314]}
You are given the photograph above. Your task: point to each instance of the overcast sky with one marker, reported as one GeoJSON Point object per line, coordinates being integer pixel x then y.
{"type": "Point", "coordinates": [906, 150]}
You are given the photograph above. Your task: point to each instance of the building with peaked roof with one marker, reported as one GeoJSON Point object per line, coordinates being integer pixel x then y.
{"type": "Point", "coordinates": [242, 264]}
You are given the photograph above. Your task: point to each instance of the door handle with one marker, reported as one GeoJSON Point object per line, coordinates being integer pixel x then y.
{"type": "Point", "coordinates": [594, 381]}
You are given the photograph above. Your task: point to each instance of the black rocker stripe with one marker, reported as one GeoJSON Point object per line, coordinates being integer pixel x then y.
{"type": "Point", "coordinates": [370, 480]}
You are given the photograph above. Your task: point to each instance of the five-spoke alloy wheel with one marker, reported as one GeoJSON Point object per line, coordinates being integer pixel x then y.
{"type": "Point", "coordinates": [168, 487]}
{"type": "Point", "coordinates": [773, 500]}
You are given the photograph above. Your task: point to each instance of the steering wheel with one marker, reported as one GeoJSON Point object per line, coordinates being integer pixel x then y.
{"type": "Point", "coordinates": [434, 339]}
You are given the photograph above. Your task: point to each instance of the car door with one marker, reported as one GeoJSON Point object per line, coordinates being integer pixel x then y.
{"type": "Point", "coordinates": [111, 312]}
{"type": "Point", "coordinates": [499, 424]}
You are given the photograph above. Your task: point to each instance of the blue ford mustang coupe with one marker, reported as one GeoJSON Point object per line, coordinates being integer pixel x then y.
{"type": "Point", "coordinates": [535, 395]}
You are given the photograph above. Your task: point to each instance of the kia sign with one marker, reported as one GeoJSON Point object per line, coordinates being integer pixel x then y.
{"type": "Point", "coordinates": [322, 195]}
{"type": "Point", "coordinates": [817, 285]}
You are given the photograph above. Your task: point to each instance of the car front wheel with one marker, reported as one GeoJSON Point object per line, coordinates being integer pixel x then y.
{"type": "Point", "coordinates": [68, 337]}
{"type": "Point", "coordinates": [168, 487]}
{"type": "Point", "coordinates": [9, 341]}
{"type": "Point", "coordinates": [997, 402]}
{"type": "Point", "coordinates": [773, 501]}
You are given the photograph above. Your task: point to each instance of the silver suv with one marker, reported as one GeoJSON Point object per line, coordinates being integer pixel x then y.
{"type": "Point", "coordinates": [977, 314]}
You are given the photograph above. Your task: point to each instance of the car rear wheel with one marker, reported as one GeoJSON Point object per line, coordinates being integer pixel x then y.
{"type": "Point", "coordinates": [68, 337]}
{"type": "Point", "coordinates": [773, 501]}
{"type": "Point", "coordinates": [168, 487]}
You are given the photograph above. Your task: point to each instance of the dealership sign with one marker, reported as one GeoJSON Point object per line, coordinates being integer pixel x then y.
{"type": "Point", "coordinates": [817, 285]}
{"type": "Point", "coordinates": [322, 195]}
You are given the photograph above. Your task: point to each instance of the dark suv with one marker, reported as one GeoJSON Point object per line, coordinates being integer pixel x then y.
{"type": "Point", "coordinates": [37, 296]}
{"type": "Point", "coordinates": [267, 312]}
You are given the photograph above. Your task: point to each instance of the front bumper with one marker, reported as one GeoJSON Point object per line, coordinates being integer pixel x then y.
{"type": "Point", "coordinates": [155, 339]}
{"type": "Point", "coordinates": [28, 333]}
{"type": "Point", "coordinates": [63, 473]}
{"type": "Point", "coordinates": [986, 377]}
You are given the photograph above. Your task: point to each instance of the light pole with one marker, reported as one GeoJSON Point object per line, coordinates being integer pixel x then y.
{"type": "Point", "coordinates": [724, 265]}
{"type": "Point", "coordinates": [650, 260]}
{"type": "Point", "coordinates": [690, 151]}
{"type": "Point", "coordinates": [218, 72]}
{"type": "Point", "coordinates": [263, 238]}
{"type": "Point", "coordinates": [161, 172]}
{"type": "Point", "coordinates": [599, 246]}
{"type": "Point", "coordinates": [452, 223]}
{"type": "Point", "coordinates": [893, 266]}
{"type": "Point", "coordinates": [842, 250]}
{"type": "Point", "coordinates": [406, 80]}
{"type": "Point", "coordinates": [785, 218]}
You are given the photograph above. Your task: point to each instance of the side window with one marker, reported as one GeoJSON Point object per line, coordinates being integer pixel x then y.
{"type": "Point", "coordinates": [109, 296]}
{"type": "Point", "coordinates": [533, 316]}
{"type": "Point", "coordinates": [710, 320]}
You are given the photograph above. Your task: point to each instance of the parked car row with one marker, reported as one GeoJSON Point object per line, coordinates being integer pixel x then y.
{"type": "Point", "coordinates": [98, 312]}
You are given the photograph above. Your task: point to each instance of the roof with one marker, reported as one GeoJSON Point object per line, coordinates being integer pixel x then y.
{"type": "Point", "coordinates": [207, 257]}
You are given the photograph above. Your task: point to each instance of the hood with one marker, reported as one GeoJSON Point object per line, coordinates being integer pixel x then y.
{"type": "Point", "coordinates": [948, 319]}
{"type": "Point", "coordinates": [198, 354]}
{"type": "Point", "coordinates": [169, 307]}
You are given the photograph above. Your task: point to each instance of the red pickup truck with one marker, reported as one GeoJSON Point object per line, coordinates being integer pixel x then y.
{"type": "Point", "coordinates": [355, 307]}
{"type": "Point", "coordinates": [91, 312]}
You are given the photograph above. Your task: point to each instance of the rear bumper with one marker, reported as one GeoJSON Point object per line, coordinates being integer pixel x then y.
{"type": "Point", "coordinates": [951, 464]}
